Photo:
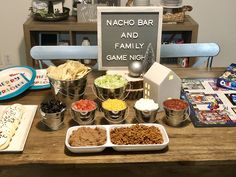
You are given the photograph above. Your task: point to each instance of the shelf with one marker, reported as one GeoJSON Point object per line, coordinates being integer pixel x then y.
{"type": "Point", "coordinates": [76, 31]}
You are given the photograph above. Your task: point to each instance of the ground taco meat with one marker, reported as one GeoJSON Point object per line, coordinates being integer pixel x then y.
{"type": "Point", "coordinates": [136, 134]}
{"type": "Point", "coordinates": [86, 136]}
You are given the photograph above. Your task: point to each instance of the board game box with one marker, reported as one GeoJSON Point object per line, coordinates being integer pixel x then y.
{"type": "Point", "coordinates": [228, 78]}
{"type": "Point", "coordinates": [202, 92]}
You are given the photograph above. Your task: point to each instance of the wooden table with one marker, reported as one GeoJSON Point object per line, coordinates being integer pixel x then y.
{"type": "Point", "coordinates": [191, 151]}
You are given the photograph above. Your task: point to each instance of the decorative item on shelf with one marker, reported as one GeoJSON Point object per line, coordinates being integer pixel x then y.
{"type": "Point", "coordinates": [138, 3]}
{"type": "Point", "coordinates": [176, 14]}
{"type": "Point", "coordinates": [141, 2]}
{"type": "Point", "coordinates": [77, 3]}
{"type": "Point", "coordinates": [87, 12]}
{"type": "Point", "coordinates": [49, 10]}
{"type": "Point", "coordinates": [86, 42]}
{"type": "Point", "coordinates": [108, 2]}
{"type": "Point", "coordinates": [171, 3]}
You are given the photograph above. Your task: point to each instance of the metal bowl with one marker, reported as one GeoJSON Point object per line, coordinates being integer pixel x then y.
{"type": "Point", "coordinates": [114, 116]}
{"type": "Point", "coordinates": [83, 117]}
{"type": "Point", "coordinates": [69, 91]}
{"type": "Point", "coordinates": [105, 93]}
{"type": "Point", "coordinates": [145, 116]}
{"type": "Point", "coordinates": [53, 121]}
{"type": "Point", "coordinates": [176, 117]}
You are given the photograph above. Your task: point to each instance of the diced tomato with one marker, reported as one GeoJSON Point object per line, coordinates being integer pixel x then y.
{"type": "Point", "coordinates": [85, 105]}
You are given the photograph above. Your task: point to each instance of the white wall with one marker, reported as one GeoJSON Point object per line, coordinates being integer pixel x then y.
{"type": "Point", "coordinates": [216, 24]}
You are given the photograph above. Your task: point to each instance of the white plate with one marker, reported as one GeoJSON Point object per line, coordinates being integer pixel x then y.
{"type": "Point", "coordinates": [18, 140]}
{"type": "Point", "coordinates": [90, 149]}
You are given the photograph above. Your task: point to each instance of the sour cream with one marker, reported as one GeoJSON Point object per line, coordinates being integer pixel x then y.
{"type": "Point", "coordinates": [146, 105]}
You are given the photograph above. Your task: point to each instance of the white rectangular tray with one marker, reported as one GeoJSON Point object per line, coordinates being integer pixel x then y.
{"type": "Point", "coordinates": [18, 140]}
{"type": "Point", "coordinates": [141, 147]}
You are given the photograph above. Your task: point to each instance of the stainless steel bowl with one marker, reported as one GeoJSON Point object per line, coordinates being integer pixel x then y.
{"type": "Point", "coordinates": [118, 93]}
{"type": "Point", "coordinates": [145, 116]}
{"type": "Point", "coordinates": [83, 117]}
{"type": "Point", "coordinates": [54, 121]}
{"type": "Point", "coordinates": [115, 116]}
{"type": "Point", "coordinates": [176, 117]}
{"type": "Point", "coordinates": [69, 91]}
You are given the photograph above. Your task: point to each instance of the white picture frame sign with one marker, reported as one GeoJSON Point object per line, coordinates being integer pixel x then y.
{"type": "Point", "coordinates": [124, 34]}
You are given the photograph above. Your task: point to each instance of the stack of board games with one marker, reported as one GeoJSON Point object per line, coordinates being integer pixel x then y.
{"type": "Point", "coordinates": [200, 93]}
{"type": "Point", "coordinates": [228, 79]}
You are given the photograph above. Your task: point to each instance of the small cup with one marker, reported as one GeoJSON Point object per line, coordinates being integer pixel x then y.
{"type": "Point", "coordinates": [54, 121]}
{"type": "Point", "coordinates": [145, 116]}
{"type": "Point", "coordinates": [175, 117]}
{"type": "Point", "coordinates": [83, 117]}
{"type": "Point", "coordinates": [115, 116]}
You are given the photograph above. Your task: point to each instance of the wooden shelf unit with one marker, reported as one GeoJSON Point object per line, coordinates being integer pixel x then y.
{"type": "Point", "coordinates": [71, 27]}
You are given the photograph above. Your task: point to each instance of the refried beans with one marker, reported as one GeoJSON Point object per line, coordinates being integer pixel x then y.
{"type": "Point", "coordinates": [86, 136]}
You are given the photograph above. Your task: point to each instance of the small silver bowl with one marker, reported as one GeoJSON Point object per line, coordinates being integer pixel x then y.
{"type": "Point", "coordinates": [105, 93]}
{"type": "Point", "coordinates": [54, 121]}
{"type": "Point", "coordinates": [68, 91]}
{"type": "Point", "coordinates": [176, 117]}
{"type": "Point", "coordinates": [145, 116]}
{"type": "Point", "coordinates": [114, 116]}
{"type": "Point", "coordinates": [83, 117]}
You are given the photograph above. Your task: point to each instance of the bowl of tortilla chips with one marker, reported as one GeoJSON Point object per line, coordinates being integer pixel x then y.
{"type": "Point", "coordinates": [68, 80]}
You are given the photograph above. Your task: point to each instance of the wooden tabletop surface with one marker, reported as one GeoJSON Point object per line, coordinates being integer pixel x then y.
{"type": "Point", "coordinates": [188, 145]}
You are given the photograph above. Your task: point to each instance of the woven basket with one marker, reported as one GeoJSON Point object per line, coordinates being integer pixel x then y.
{"type": "Point", "coordinates": [176, 14]}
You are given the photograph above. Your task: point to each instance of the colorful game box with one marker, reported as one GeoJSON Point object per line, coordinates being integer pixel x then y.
{"type": "Point", "coordinates": [211, 106]}
{"type": "Point", "coordinates": [228, 79]}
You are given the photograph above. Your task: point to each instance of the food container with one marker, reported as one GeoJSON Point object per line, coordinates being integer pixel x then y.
{"type": "Point", "coordinates": [83, 117]}
{"type": "Point", "coordinates": [52, 113]}
{"type": "Point", "coordinates": [106, 92]}
{"type": "Point", "coordinates": [116, 113]}
{"type": "Point", "coordinates": [146, 110]}
{"type": "Point", "coordinates": [176, 110]}
{"type": "Point", "coordinates": [54, 121]}
{"type": "Point", "coordinates": [109, 128]}
{"type": "Point", "coordinates": [114, 116]}
{"type": "Point", "coordinates": [145, 116]}
{"type": "Point", "coordinates": [134, 90]}
{"type": "Point", "coordinates": [69, 91]}
{"type": "Point", "coordinates": [84, 149]}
